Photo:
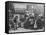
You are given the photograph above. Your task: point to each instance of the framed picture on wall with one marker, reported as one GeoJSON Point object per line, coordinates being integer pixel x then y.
{"type": "Point", "coordinates": [23, 17]}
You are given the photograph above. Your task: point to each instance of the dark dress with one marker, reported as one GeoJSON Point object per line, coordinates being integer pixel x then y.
{"type": "Point", "coordinates": [28, 24]}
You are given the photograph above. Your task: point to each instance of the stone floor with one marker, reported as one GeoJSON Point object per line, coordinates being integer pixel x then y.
{"type": "Point", "coordinates": [24, 30]}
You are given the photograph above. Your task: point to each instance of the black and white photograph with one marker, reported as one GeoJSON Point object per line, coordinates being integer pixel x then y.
{"type": "Point", "coordinates": [22, 17]}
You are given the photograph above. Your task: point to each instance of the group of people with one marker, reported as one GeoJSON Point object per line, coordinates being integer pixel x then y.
{"type": "Point", "coordinates": [27, 21]}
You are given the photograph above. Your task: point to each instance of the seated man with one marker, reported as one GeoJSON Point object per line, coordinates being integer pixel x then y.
{"type": "Point", "coordinates": [40, 23]}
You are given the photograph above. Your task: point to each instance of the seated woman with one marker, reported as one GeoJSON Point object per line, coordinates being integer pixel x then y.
{"type": "Point", "coordinates": [29, 23]}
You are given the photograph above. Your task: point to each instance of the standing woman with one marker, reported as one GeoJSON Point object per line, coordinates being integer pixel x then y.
{"type": "Point", "coordinates": [15, 22]}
